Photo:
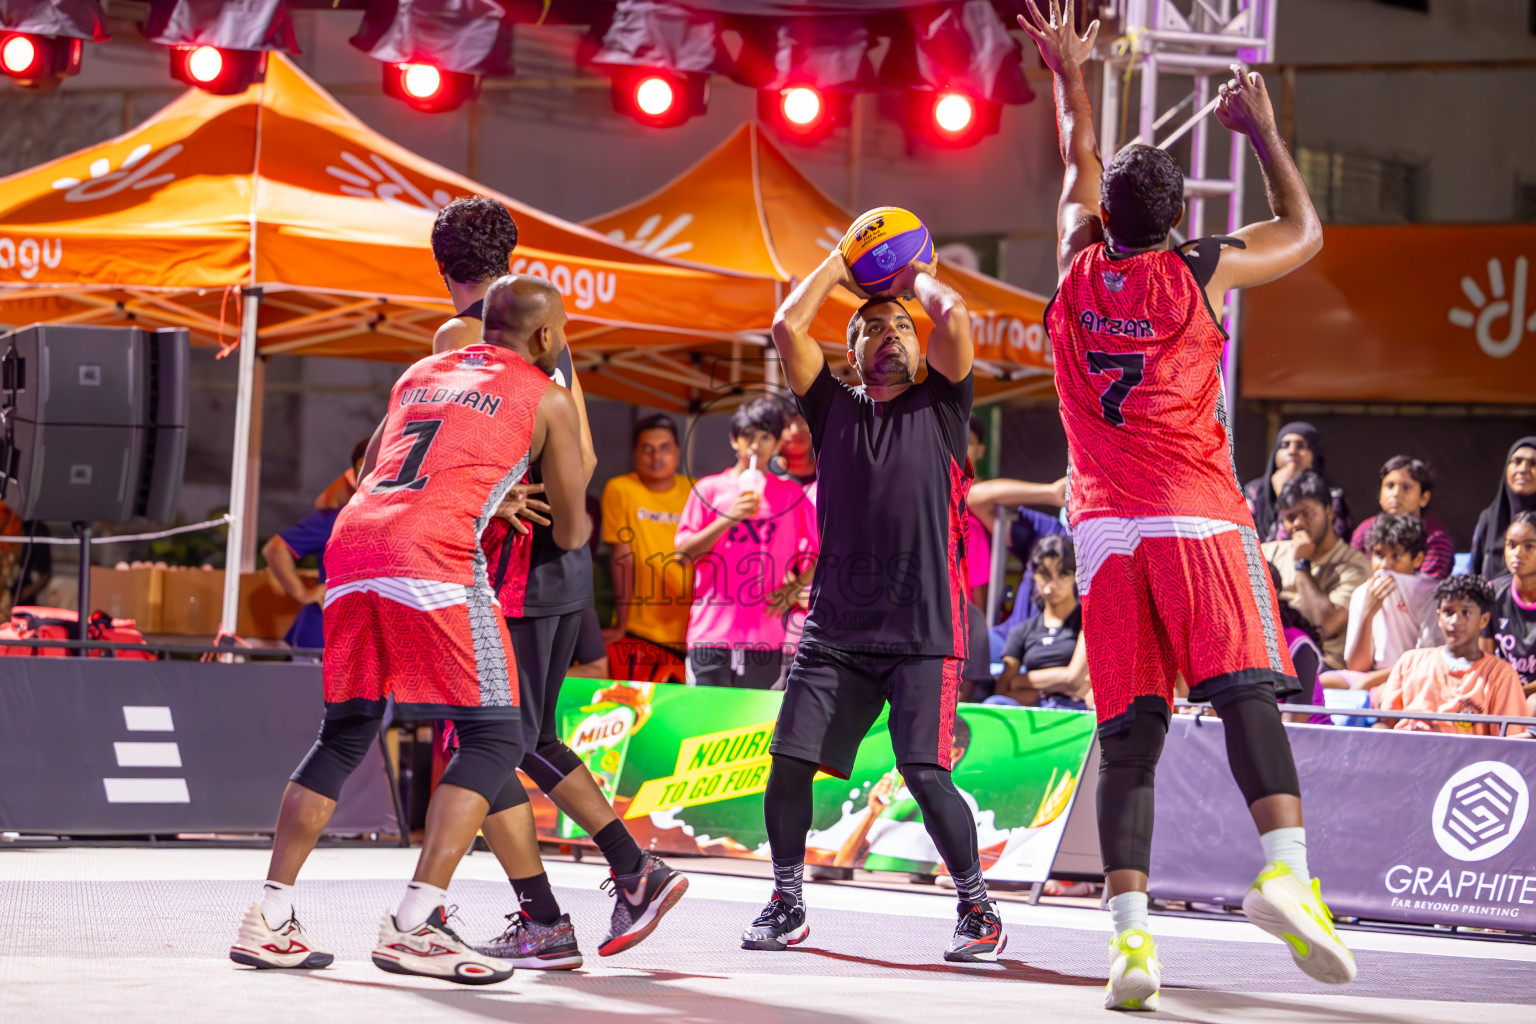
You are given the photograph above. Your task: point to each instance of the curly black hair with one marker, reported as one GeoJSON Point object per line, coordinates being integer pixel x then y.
{"type": "Point", "coordinates": [472, 239]}
{"type": "Point", "coordinates": [1305, 485]}
{"type": "Point", "coordinates": [1470, 587]}
{"type": "Point", "coordinates": [1143, 190]}
{"type": "Point", "coordinates": [1406, 532]}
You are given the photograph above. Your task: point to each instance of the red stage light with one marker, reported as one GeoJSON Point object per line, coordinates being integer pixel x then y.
{"type": "Point", "coordinates": [954, 113]}
{"type": "Point", "coordinates": [422, 80]}
{"type": "Point", "coordinates": [654, 96]}
{"type": "Point", "coordinates": [205, 64]}
{"type": "Point", "coordinates": [801, 106]}
{"type": "Point", "coordinates": [18, 55]}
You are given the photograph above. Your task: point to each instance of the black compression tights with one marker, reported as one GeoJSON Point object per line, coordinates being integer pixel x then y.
{"type": "Point", "coordinates": [946, 816]}
{"type": "Point", "coordinates": [787, 807]}
{"type": "Point", "coordinates": [1258, 753]}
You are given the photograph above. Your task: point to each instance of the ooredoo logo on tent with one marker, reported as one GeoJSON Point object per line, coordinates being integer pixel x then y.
{"type": "Point", "coordinates": [1481, 810]}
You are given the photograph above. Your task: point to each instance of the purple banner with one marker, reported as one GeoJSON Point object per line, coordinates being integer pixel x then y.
{"type": "Point", "coordinates": [1426, 828]}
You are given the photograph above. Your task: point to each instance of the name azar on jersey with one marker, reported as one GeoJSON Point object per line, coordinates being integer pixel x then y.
{"type": "Point", "coordinates": [1098, 323]}
{"type": "Point", "coordinates": [476, 400]}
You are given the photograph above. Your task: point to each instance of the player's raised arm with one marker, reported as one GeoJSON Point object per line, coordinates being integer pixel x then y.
{"type": "Point", "coordinates": [1293, 235]}
{"type": "Point", "coordinates": [1064, 51]}
{"type": "Point", "coordinates": [557, 446]}
{"type": "Point", "coordinates": [802, 357]}
{"type": "Point", "coordinates": [950, 349]}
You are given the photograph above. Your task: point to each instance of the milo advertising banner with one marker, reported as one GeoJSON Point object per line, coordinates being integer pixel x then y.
{"type": "Point", "coordinates": [686, 767]}
{"type": "Point", "coordinates": [1420, 827]}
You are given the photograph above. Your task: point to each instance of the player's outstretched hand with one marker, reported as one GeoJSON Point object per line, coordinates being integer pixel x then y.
{"type": "Point", "coordinates": [905, 283]}
{"type": "Point", "coordinates": [1061, 48]}
{"type": "Point", "coordinates": [1243, 105]}
{"type": "Point", "coordinates": [520, 505]}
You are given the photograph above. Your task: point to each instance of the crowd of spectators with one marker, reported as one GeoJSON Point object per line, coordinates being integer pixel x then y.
{"type": "Point", "coordinates": [711, 577]}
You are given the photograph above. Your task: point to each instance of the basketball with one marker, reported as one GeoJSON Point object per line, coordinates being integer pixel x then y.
{"type": "Point", "coordinates": [881, 244]}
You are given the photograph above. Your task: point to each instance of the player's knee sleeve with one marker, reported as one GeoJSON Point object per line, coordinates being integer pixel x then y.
{"type": "Point", "coordinates": [787, 806]}
{"type": "Point", "coordinates": [1127, 769]}
{"type": "Point", "coordinates": [340, 748]}
{"type": "Point", "coordinates": [550, 764]}
{"type": "Point", "coordinates": [1258, 750]}
{"type": "Point", "coordinates": [488, 755]}
{"type": "Point", "coordinates": [946, 815]}
{"type": "Point", "coordinates": [511, 795]}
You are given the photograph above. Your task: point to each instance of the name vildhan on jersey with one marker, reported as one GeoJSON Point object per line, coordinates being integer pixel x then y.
{"type": "Point", "coordinates": [476, 400]}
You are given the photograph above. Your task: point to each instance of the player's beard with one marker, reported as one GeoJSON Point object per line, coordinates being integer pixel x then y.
{"type": "Point", "coordinates": [889, 365]}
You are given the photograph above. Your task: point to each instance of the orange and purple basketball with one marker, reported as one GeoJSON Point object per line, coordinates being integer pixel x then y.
{"type": "Point", "coordinates": [881, 244]}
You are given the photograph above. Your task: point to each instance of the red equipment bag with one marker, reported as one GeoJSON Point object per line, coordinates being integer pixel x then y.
{"type": "Point", "coordinates": [36, 622]}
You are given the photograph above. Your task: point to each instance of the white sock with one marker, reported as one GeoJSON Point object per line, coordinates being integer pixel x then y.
{"type": "Point", "coordinates": [276, 903]}
{"type": "Point", "coordinates": [417, 905]}
{"type": "Point", "coordinates": [1128, 911]}
{"type": "Point", "coordinates": [1289, 847]}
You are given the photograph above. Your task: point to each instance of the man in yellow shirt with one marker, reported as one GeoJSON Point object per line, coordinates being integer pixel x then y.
{"type": "Point", "coordinates": [652, 583]}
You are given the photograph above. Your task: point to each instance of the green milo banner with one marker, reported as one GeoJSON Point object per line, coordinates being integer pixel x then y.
{"type": "Point", "coordinates": [686, 768]}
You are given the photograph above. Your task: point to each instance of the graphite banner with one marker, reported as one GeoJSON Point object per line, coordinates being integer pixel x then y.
{"type": "Point", "coordinates": [1425, 828]}
{"type": "Point", "coordinates": [99, 747]}
{"type": "Point", "coordinates": [686, 767]}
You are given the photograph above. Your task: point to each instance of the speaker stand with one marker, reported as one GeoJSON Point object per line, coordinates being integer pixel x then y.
{"type": "Point", "coordinates": [82, 627]}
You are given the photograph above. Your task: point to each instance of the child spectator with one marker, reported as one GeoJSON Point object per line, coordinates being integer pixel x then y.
{"type": "Point", "coordinates": [1458, 677]}
{"type": "Point", "coordinates": [1517, 493]}
{"type": "Point", "coordinates": [1511, 632]}
{"type": "Point", "coordinates": [1395, 611]}
{"type": "Point", "coordinates": [744, 532]}
{"type": "Point", "coordinates": [1045, 662]}
{"type": "Point", "coordinates": [1319, 573]}
{"type": "Point", "coordinates": [1406, 486]}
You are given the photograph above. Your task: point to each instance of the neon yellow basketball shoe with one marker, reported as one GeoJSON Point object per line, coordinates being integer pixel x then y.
{"type": "Point", "coordinates": [1282, 905]}
{"type": "Point", "coordinates": [1135, 974]}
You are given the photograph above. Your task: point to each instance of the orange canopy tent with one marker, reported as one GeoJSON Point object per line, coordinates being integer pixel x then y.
{"type": "Point", "coordinates": [321, 225]}
{"type": "Point", "coordinates": [746, 207]}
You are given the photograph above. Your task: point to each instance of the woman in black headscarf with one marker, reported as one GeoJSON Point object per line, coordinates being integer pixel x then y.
{"type": "Point", "coordinates": [1298, 447]}
{"type": "Point", "coordinates": [1517, 493]}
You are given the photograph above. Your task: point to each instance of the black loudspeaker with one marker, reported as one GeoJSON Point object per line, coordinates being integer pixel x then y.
{"type": "Point", "coordinates": [94, 422]}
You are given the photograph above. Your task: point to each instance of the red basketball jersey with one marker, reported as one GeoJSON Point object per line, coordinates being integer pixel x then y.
{"type": "Point", "coordinates": [1138, 371]}
{"type": "Point", "coordinates": [456, 438]}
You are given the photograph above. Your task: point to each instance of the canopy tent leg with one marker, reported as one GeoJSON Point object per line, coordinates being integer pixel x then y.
{"type": "Point", "coordinates": [241, 492]}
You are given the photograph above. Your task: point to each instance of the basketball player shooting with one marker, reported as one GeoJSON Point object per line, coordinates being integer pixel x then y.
{"type": "Point", "coordinates": [1169, 569]}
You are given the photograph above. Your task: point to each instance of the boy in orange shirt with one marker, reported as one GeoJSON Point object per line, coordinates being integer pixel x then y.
{"type": "Point", "coordinates": [1457, 678]}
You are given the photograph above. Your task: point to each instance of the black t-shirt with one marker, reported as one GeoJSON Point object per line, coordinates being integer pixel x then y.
{"type": "Point", "coordinates": [1512, 628]}
{"type": "Point", "coordinates": [891, 480]}
{"type": "Point", "coordinates": [1037, 645]}
{"type": "Point", "coordinates": [559, 581]}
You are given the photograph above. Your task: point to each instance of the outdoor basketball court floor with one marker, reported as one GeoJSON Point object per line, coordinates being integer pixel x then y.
{"type": "Point", "coordinates": [143, 934]}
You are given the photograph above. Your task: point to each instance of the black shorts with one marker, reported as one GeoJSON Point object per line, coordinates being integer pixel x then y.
{"type": "Point", "coordinates": [832, 697]}
{"type": "Point", "coordinates": [746, 668]}
{"type": "Point", "coordinates": [544, 646]}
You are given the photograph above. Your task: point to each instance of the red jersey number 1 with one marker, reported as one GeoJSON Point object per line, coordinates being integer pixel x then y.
{"type": "Point", "coordinates": [1132, 368]}
{"type": "Point", "coordinates": [409, 478]}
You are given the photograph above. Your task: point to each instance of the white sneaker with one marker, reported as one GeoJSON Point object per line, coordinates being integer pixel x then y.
{"type": "Point", "coordinates": [258, 945]}
{"type": "Point", "coordinates": [1135, 973]}
{"type": "Point", "coordinates": [435, 951]}
{"type": "Point", "coordinates": [1280, 904]}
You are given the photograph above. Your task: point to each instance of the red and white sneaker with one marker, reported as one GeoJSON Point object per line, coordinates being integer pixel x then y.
{"type": "Point", "coordinates": [640, 900]}
{"type": "Point", "coordinates": [435, 951]}
{"type": "Point", "coordinates": [259, 945]}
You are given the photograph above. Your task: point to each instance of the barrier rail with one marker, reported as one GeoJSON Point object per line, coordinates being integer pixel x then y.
{"type": "Point", "coordinates": [105, 645]}
{"type": "Point", "coordinates": [1503, 721]}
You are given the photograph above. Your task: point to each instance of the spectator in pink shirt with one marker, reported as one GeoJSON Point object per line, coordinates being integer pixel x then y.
{"type": "Point", "coordinates": [748, 534]}
{"type": "Point", "coordinates": [1406, 487]}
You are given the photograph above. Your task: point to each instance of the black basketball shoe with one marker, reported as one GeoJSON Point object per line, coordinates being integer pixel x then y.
{"type": "Point", "coordinates": [780, 925]}
{"type": "Point", "coordinates": [979, 935]}
{"type": "Point", "coordinates": [639, 901]}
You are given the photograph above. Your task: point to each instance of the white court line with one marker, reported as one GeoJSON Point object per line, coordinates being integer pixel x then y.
{"type": "Point", "coordinates": [83, 864]}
